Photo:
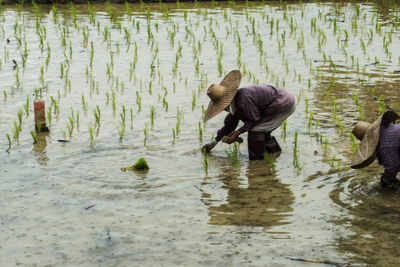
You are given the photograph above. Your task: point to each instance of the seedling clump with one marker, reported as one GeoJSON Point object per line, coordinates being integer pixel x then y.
{"type": "Point", "coordinates": [140, 165]}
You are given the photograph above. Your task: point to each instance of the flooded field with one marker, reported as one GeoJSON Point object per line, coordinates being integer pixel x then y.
{"type": "Point", "coordinates": [122, 82]}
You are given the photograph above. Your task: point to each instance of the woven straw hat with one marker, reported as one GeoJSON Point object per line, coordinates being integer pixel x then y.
{"type": "Point", "coordinates": [221, 95]}
{"type": "Point", "coordinates": [369, 134]}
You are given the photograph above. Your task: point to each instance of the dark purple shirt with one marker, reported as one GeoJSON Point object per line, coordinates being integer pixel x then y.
{"type": "Point", "coordinates": [388, 150]}
{"type": "Point", "coordinates": [254, 105]}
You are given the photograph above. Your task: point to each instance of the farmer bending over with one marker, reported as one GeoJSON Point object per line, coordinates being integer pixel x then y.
{"type": "Point", "coordinates": [380, 139]}
{"type": "Point", "coordinates": [262, 108]}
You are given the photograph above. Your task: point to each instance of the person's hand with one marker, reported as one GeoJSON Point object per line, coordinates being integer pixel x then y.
{"type": "Point", "coordinates": [232, 137]}
{"type": "Point", "coordinates": [207, 147]}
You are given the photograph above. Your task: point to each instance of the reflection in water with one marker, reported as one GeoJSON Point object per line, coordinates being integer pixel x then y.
{"type": "Point", "coordinates": [373, 221]}
{"type": "Point", "coordinates": [40, 148]}
{"type": "Point", "coordinates": [264, 202]}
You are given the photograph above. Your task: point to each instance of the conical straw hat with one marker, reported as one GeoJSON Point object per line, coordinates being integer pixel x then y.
{"type": "Point", "coordinates": [369, 133]}
{"type": "Point", "coordinates": [360, 129]}
{"type": "Point", "coordinates": [221, 95]}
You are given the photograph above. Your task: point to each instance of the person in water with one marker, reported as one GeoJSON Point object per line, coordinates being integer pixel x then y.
{"type": "Point", "coordinates": [381, 140]}
{"type": "Point", "coordinates": [262, 109]}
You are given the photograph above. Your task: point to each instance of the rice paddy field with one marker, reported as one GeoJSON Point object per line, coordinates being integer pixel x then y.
{"type": "Point", "coordinates": [122, 82]}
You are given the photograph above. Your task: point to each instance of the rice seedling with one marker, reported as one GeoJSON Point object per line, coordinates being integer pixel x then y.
{"type": "Point", "coordinates": [19, 114]}
{"type": "Point", "coordinates": [146, 133]}
{"type": "Point", "coordinates": [34, 137]}
{"type": "Point", "coordinates": [381, 104]}
{"type": "Point", "coordinates": [152, 115]}
{"type": "Point", "coordinates": [296, 162]}
{"type": "Point", "coordinates": [113, 102]}
{"type": "Point", "coordinates": [63, 134]}
{"type": "Point", "coordinates": [91, 135]}
{"type": "Point", "coordinates": [140, 165]}
{"type": "Point", "coordinates": [193, 99]}
{"type": "Point", "coordinates": [233, 154]}
{"type": "Point", "coordinates": [54, 11]}
{"type": "Point", "coordinates": [200, 132]}
{"type": "Point", "coordinates": [16, 131]}
{"type": "Point", "coordinates": [205, 162]}
{"type": "Point", "coordinates": [70, 126]}
{"type": "Point", "coordinates": [26, 106]}
{"type": "Point", "coordinates": [269, 159]}
{"type": "Point", "coordinates": [121, 130]}
{"type": "Point", "coordinates": [84, 103]}
{"type": "Point", "coordinates": [9, 142]}
{"type": "Point", "coordinates": [97, 115]}
{"type": "Point", "coordinates": [284, 126]}
{"type": "Point", "coordinates": [92, 13]}
{"type": "Point", "coordinates": [179, 118]}
{"type": "Point", "coordinates": [77, 120]}
{"type": "Point", "coordinates": [173, 135]}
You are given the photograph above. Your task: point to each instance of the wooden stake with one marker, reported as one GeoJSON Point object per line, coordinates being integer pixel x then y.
{"type": "Point", "coordinates": [40, 116]}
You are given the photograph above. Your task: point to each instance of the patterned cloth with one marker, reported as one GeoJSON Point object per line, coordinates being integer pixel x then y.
{"type": "Point", "coordinates": [388, 150]}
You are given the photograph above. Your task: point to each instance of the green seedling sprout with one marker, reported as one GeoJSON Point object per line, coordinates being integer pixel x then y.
{"type": "Point", "coordinates": [108, 98]}
{"type": "Point", "coordinates": [97, 115]}
{"type": "Point", "coordinates": [193, 99]}
{"type": "Point", "coordinates": [34, 137]}
{"type": "Point", "coordinates": [49, 115]}
{"type": "Point", "coordinates": [77, 121]}
{"type": "Point", "coordinates": [113, 102]}
{"type": "Point", "coordinates": [84, 103]}
{"type": "Point", "coordinates": [152, 114]}
{"type": "Point", "coordinates": [26, 106]}
{"type": "Point", "coordinates": [381, 105]}
{"type": "Point", "coordinates": [270, 161]}
{"type": "Point", "coordinates": [200, 132]}
{"type": "Point", "coordinates": [131, 113]}
{"type": "Point", "coordinates": [70, 126]}
{"type": "Point", "coordinates": [16, 131]}
{"type": "Point", "coordinates": [121, 128]}
{"type": "Point", "coordinates": [205, 161]}
{"type": "Point", "coordinates": [91, 135]}
{"type": "Point", "coordinates": [146, 133]}
{"type": "Point", "coordinates": [284, 126]}
{"type": "Point", "coordinates": [233, 154]}
{"type": "Point", "coordinates": [9, 142]}
{"type": "Point", "coordinates": [54, 11]}
{"type": "Point", "coordinates": [63, 133]}
{"type": "Point", "coordinates": [140, 165]}
{"type": "Point", "coordinates": [173, 135]}
{"type": "Point", "coordinates": [19, 118]}
{"type": "Point", "coordinates": [295, 154]}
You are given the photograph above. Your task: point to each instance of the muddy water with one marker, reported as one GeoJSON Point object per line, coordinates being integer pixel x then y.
{"type": "Point", "coordinates": [68, 203]}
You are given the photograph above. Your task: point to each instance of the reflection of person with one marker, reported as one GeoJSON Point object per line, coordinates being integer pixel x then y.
{"type": "Point", "coordinates": [266, 202]}
{"type": "Point", "coordinates": [262, 108]}
{"type": "Point", "coordinates": [380, 139]}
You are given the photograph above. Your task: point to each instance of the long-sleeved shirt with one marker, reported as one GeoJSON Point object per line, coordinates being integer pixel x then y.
{"type": "Point", "coordinates": [388, 150]}
{"type": "Point", "coordinates": [254, 105]}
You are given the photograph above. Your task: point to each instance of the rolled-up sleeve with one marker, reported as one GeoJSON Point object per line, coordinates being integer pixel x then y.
{"type": "Point", "coordinates": [230, 124]}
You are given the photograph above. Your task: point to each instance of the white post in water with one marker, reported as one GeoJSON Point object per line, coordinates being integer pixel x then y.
{"type": "Point", "coordinates": [40, 116]}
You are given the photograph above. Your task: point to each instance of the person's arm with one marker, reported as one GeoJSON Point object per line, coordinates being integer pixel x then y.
{"type": "Point", "coordinates": [230, 124]}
